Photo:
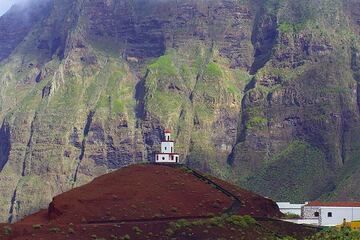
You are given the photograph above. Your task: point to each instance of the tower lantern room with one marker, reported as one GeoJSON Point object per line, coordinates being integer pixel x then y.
{"type": "Point", "coordinates": [167, 154]}
{"type": "Point", "coordinates": [167, 135]}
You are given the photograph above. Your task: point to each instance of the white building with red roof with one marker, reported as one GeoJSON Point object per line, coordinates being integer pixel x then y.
{"type": "Point", "coordinates": [331, 213]}
{"type": "Point", "coordinates": [167, 154]}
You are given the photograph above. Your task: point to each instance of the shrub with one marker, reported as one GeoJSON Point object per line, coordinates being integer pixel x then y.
{"type": "Point", "coordinates": [137, 230]}
{"type": "Point", "coordinates": [37, 226]}
{"type": "Point", "coordinates": [169, 232]}
{"type": "Point", "coordinates": [113, 237]}
{"type": "Point", "coordinates": [241, 221]}
{"type": "Point", "coordinates": [71, 231]}
{"type": "Point", "coordinates": [7, 230]}
{"type": "Point", "coordinates": [126, 237]}
{"type": "Point", "coordinates": [291, 216]}
{"type": "Point", "coordinates": [344, 233]}
{"type": "Point", "coordinates": [54, 230]}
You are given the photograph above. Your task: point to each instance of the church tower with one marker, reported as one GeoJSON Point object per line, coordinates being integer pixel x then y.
{"type": "Point", "coordinates": [167, 154]}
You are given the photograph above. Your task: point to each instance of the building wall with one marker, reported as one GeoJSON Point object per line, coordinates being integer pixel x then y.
{"type": "Point", "coordinates": [309, 212]}
{"type": "Point", "coordinates": [167, 136]}
{"type": "Point", "coordinates": [165, 158]}
{"type": "Point", "coordinates": [338, 214]}
{"type": "Point", "coordinates": [303, 221]}
{"type": "Point", "coordinates": [167, 147]}
{"type": "Point", "coordinates": [287, 207]}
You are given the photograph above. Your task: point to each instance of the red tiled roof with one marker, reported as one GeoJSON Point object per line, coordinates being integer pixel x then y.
{"type": "Point", "coordinates": [333, 204]}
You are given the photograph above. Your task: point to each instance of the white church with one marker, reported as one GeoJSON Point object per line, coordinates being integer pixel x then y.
{"type": "Point", "coordinates": [167, 154]}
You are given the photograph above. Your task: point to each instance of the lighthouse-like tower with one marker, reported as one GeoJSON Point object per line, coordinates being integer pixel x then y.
{"type": "Point", "coordinates": [167, 154]}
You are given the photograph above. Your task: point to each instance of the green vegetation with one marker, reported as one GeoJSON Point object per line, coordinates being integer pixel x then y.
{"type": "Point", "coordinates": [221, 222]}
{"type": "Point", "coordinates": [54, 230]}
{"type": "Point", "coordinates": [126, 237]}
{"type": "Point", "coordinates": [286, 27]}
{"type": "Point", "coordinates": [343, 233]}
{"type": "Point", "coordinates": [300, 165]}
{"type": "Point", "coordinates": [291, 216]}
{"type": "Point", "coordinates": [240, 221]}
{"type": "Point", "coordinates": [37, 226]}
{"type": "Point", "coordinates": [7, 230]}
{"type": "Point", "coordinates": [137, 230]}
{"type": "Point", "coordinates": [256, 122]}
{"type": "Point", "coordinates": [164, 66]}
{"type": "Point", "coordinates": [212, 71]}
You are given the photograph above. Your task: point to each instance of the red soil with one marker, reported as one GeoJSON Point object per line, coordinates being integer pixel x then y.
{"type": "Point", "coordinates": [144, 196]}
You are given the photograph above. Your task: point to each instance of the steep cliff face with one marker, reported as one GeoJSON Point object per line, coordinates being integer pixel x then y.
{"type": "Point", "coordinates": [263, 93]}
{"type": "Point", "coordinates": [300, 120]}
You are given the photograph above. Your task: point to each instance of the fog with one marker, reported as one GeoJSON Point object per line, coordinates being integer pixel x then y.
{"type": "Point", "coordinates": [6, 4]}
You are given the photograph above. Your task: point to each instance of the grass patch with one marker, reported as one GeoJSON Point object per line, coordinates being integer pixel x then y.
{"type": "Point", "coordinates": [221, 222]}
{"type": "Point", "coordinates": [213, 71]}
{"type": "Point", "coordinates": [256, 122]}
{"type": "Point", "coordinates": [164, 66]}
{"type": "Point", "coordinates": [333, 233]}
{"type": "Point", "coordinates": [299, 164]}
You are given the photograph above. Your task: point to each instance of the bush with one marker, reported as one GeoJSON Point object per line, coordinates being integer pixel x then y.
{"type": "Point", "coordinates": [37, 226]}
{"type": "Point", "coordinates": [137, 230]}
{"type": "Point", "coordinates": [291, 216]}
{"type": "Point", "coordinates": [126, 237]}
{"type": "Point", "coordinates": [54, 230]}
{"type": "Point", "coordinates": [241, 221]}
{"type": "Point", "coordinates": [344, 233]}
{"type": "Point", "coordinates": [7, 230]}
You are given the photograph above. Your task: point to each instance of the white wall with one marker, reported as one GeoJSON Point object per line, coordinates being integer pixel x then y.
{"type": "Point", "coordinates": [167, 147]}
{"type": "Point", "coordinates": [167, 136]}
{"type": "Point", "coordinates": [287, 207]}
{"type": "Point", "coordinates": [338, 215]}
{"type": "Point", "coordinates": [165, 158]}
{"type": "Point", "coordinates": [303, 221]}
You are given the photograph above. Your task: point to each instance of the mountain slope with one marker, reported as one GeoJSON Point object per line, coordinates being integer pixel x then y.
{"type": "Point", "coordinates": [262, 93]}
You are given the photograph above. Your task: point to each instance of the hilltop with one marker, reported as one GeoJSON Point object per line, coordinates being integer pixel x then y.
{"type": "Point", "coordinates": [156, 202]}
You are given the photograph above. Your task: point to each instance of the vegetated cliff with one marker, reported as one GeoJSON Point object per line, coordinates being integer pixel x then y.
{"type": "Point", "coordinates": [260, 92]}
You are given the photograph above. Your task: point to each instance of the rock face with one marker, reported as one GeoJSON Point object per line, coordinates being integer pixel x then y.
{"type": "Point", "coordinates": [261, 93]}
